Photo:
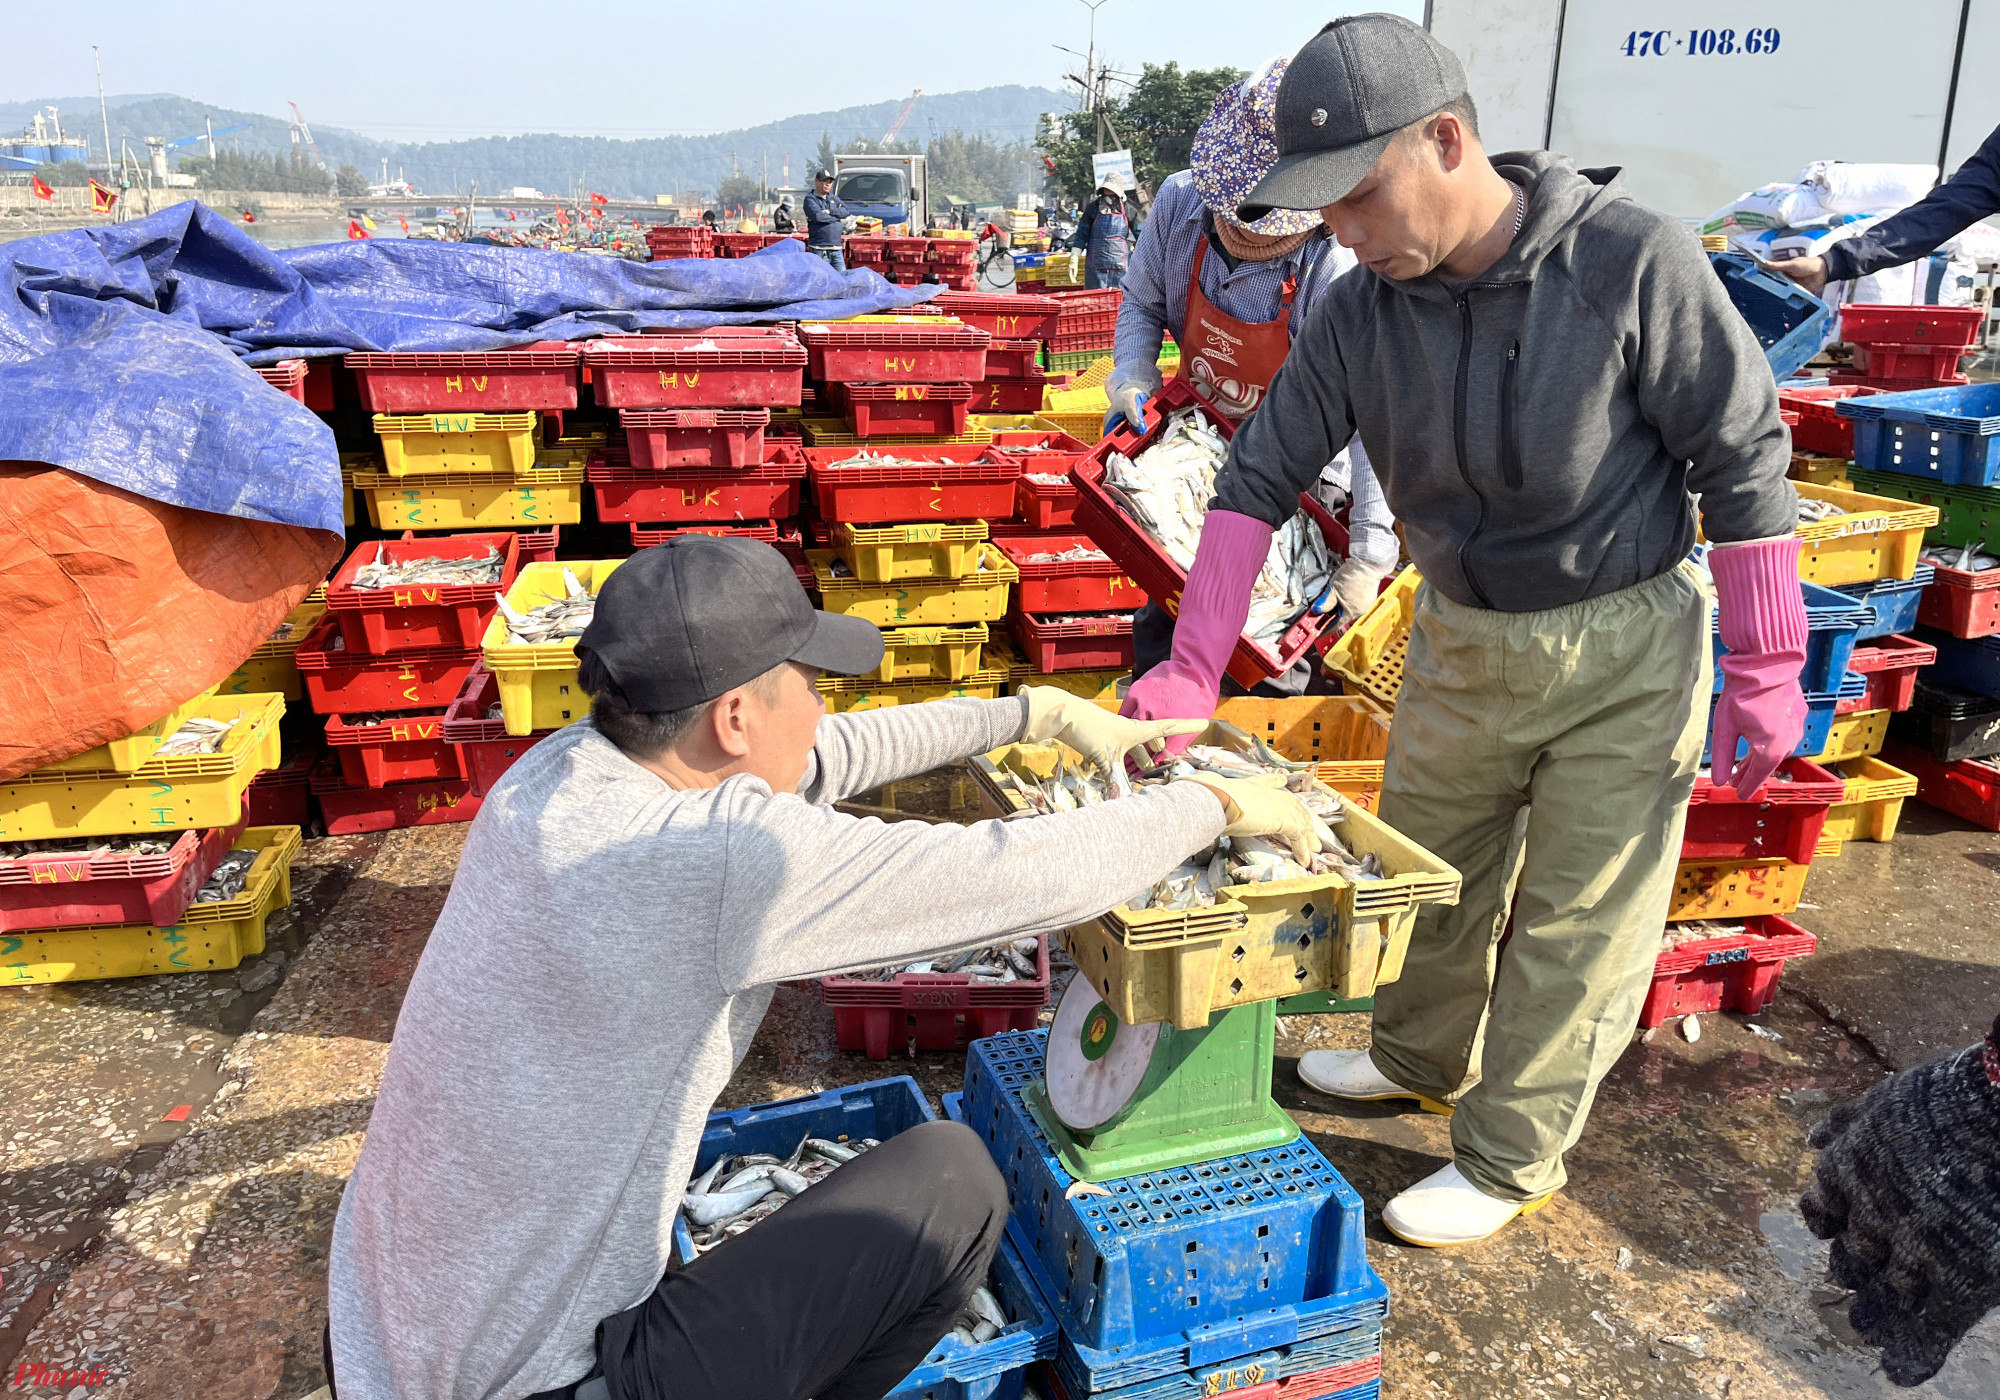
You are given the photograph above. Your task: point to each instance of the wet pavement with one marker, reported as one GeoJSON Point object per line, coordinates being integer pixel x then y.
{"type": "Point", "coordinates": [174, 1148]}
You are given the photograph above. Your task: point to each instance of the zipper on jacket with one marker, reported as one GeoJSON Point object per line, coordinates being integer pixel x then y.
{"type": "Point", "coordinates": [1510, 426]}
{"type": "Point", "coordinates": [1458, 443]}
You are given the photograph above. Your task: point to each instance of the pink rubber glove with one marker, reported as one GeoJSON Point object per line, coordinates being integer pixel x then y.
{"type": "Point", "coordinates": [1761, 613]}
{"type": "Point", "coordinates": [1214, 606]}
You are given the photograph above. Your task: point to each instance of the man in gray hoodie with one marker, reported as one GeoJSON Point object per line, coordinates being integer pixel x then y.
{"type": "Point", "coordinates": [1543, 373]}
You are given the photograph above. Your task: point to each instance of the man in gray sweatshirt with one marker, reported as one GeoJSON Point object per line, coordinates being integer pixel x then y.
{"type": "Point", "coordinates": [629, 895]}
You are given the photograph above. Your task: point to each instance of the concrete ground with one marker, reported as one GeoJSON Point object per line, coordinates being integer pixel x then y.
{"type": "Point", "coordinates": [174, 1148]}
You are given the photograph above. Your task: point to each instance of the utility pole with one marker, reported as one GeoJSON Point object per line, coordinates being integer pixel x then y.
{"type": "Point", "coordinates": [102, 110]}
{"type": "Point", "coordinates": [1093, 80]}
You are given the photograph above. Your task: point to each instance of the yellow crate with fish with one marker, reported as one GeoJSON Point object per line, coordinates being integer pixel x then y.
{"type": "Point", "coordinates": [1368, 657]}
{"type": "Point", "coordinates": [978, 597]}
{"type": "Point", "coordinates": [838, 432]}
{"type": "Point", "coordinates": [548, 495]}
{"type": "Point", "coordinates": [925, 549]}
{"type": "Point", "coordinates": [1857, 735]}
{"type": "Point", "coordinates": [930, 653]}
{"type": "Point", "coordinates": [530, 646]}
{"type": "Point", "coordinates": [1344, 737]}
{"type": "Point", "coordinates": [1848, 537]}
{"type": "Point", "coordinates": [486, 444]}
{"type": "Point", "coordinates": [195, 777]}
{"type": "Point", "coordinates": [860, 693]}
{"type": "Point", "coordinates": [212, 935]}
{"type": "Point", "coordinates": [127, 754]}
{"type": "Point", "coordinates": [272, 669]}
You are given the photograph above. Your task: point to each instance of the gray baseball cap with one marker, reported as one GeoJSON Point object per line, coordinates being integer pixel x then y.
{"type": "Point", "coordinates": [1345, 95]}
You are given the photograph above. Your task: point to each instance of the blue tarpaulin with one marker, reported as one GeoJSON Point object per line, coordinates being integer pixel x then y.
{"type": "Point", "coordinates": [123, 350]}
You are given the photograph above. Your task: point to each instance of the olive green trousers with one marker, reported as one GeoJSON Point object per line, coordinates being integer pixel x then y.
{"type": "Point", "coordinates": [1591, 718]}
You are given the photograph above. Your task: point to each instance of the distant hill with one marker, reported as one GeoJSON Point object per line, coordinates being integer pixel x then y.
{"type": "Point", "coordinates": [631, 169]}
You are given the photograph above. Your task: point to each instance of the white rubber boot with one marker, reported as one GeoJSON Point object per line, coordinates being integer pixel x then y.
{"type": "Point", "coordinates": [1445, 1209]}
{"type": "Point", "coordinates": [1351, 1074]}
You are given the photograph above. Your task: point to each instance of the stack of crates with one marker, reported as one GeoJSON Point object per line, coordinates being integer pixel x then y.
{"type": "Point", "coordinates": [1064, 269]}
{"type": "Point", "coordinates": [897, 376]}
{"type": "Point", "coordinates": [1899, 348]}
{"type": "Point", "coordinates": [953, 258]}
{"type": "Point", "coordinates": [666, 241]}
{"type": "Point", "coordinates": [906, 257]}
{"type": "Point", "coordinates": [1030, 272]}
{"type": "Point", "coordinates": [1014, 380]}
{"type": "Point", "coordinates": [529, 688]}
{"type": "Point", "coordinates": [869, 250]}
{"type": "Point", "coordinates": [1072, 616]}
{"type": "Point", "coordinates": [1086, 328]}
{"type": "Point", "coordinates": [107, 858]}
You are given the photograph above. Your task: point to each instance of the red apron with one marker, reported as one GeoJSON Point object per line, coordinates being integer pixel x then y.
{"type": "Point", "coordinates": [1229, 362]}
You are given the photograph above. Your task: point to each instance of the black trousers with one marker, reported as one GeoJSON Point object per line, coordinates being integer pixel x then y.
{"type": "Point", "coordinates": [836, 1297]}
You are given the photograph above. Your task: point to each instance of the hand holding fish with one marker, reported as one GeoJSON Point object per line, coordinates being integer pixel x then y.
{"type": "Point", "coordinates": [1104, 739]}
{"type": "Point", "coordinates": [1258, 806]}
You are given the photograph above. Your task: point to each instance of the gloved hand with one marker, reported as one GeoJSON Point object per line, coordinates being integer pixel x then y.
{"type": "Point", "coordinates": [1761, 613]}
{"type": "Point", "coordinates": [1262, 807]}
{"type": "Point", "coordinates": [1128, 401]}
{"type": "Point", "coordinates": [1093, 731]}
{"type": "Point", "coordinates": [1908, 1189]}
{"type": "Point", "coordinates": [1213, 608]}
{"type": "Point", "coordinates": [1355, 586]}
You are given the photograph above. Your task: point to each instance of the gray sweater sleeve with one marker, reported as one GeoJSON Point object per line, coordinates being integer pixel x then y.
{"type": "Point", "coordinates": [858, 751]}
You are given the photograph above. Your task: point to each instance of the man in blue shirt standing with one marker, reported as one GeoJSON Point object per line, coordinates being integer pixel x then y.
{"type": "Point", "coordinates": [826, 220]}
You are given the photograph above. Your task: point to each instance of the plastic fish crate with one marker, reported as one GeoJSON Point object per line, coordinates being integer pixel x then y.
{"type": "Point", "coordinates": [1873, 802]}
{"type": "Point", "coordinates": [281, 796]}
{"type": "Point", "coordinates": [1956, 515]}
{"type": "Point", "coordinates": [690, 494]}
{"type": "Point", "coordinates": [1737, 972]}
{"type": "Point", "coordinates": [126, 755]}
{"type": "Point", "coordinates": [663, 439]}
{"type": "Point", "coordinates": [1968, 788]}
{"type": "Point", "coordinates": [1736, 889]}
{"type": "Point", "coordinates": [1857, 379]}
{"type": "Point", "coordinates": [1238, 1378]}
{"type": "Point", "coordinates": [1963, 602]}
{"type": "Point", "coordinates": [978, 597]}
{"type": "Point", "coordinates": [342, 682]}
{"type": "Point", "coordinates": [1050, 505]}
{"type": "Point", "coordinates": [1821, 471]}
{"type": "Point", "coordinates": [1890, 668]}
{"type": "Point", "coordinates": [287, 377]}
{"type": "Point", "coordinates": [930, 654]}
{"type": "Point", "coordinates": [1833, 622]}
{"type": "Point", "coordinates": [723, 367]}
{"type": "Point", "coordinates": [1789, 322]}
{"type": "Point", "coordinates": [57, 891]}
{"type": "Point", "coordinates": [538, 688]}
{"type": "Point", "coordinates": [860, 693]}
{"type": "Point", "coordinates": [161, 794]}
{"type": "Point", "coordinates": [1002, 316]}
{"type": "Point", "coordinates": [271, 669]}
{"type": "Point", "coordinates": [1023, 395]}
{"type": "Point", "coordinates": [922, 550]}
{"type": "Point", "coordinates": [1084, 644]}
{"type": "Point", "coordinates": [1816, 424]}
{"type": "Point", "coordinates": [989, 1370]}
{"type": "Point", "coordinates": [538, 376]}
{"type": "Point", "coordinates": [347, 810]}
{"type": "Point", "coordinates": [1873, 537]}
{"type": "Point", "coordinates": [1948, 723]}
{"type": "Point", "coordinates": [404, 748]}
{"type": "Point", "coordinates": [1950, 436]}
{"type": "Point", "coordinates": [1856, 735]}
{"type": "Point", "coordinates": [1895, 602]}
{"type": "Point", "coordinates": [547, 495]}
{"type": "Point", "coordinates": [933, 1010]}
{"type": "Point", "coordinates": [1098, 683]}
{"type": "Point", "coordinates": [1368, 656]}
{"type": "Point", "coordinates": [1085, 585]}
{"type": "Point", "coordinates": [951, 482]}
{"type": "Point", "coordinates": [1274, 1240]}
{"type": "Point", "coordinates": [490, 444]}
{"type": "Point", "coordinates": [838, 432]}
{"type": "Point", "coordinates": [1782, 819]}
{"type": "Point", "coordinates": [1149, 566]}
{"type": "Point", "coordinates": [1327, 730]}
{"type": "Point", "coordinates": [1970, 664]}
{"type": "Point", "coordinates": [916, 350]}
{"type": "Point", "coordinates": [207, 937]}
{"type": "Point", "coordinates": [877, 409]}
{"type": "Point", "coordinates": [737, 245]}
{"type": "Point", "coordinates": [413, 617]}
{"type": "Point", "coordinates": [1924, 366]}
{"type": "Point", "coordinates": [485, 749]}
{"type": "Point", "coordinates": [681, 241]}
{"type": "Point", "coordinates": [1947, 326]}
{"type": "Point", "coordinates": [783, 536]}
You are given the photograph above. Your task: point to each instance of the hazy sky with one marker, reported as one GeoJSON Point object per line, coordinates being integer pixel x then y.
{"type": "Point", "coordinates": [422, 71]}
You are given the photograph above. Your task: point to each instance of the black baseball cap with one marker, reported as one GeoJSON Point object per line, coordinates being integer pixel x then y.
{"type": "Point", "coordinates": [1344, 96]}
{"type": "Point", "coordinates": [681, 622]}
{"type": "Point", "coordinates": [823, 175]}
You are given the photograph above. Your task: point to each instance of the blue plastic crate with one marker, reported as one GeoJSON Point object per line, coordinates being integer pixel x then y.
{"type": "Point", "coordinates": [1894, 601]}
{"type": "Point", "coordinates": [1969, 665]}
{"type": "Point", "coordinates": [1788, 322]}
{"type": "Point", "coordinates": [1833, 623]}
{"type": "Point", "coordinates": [1819, 717]}
{"type": "Point", "coordinates": [991, 1370]}
{"type": "Point", "coordinates": [1176, 1269]}
{"type": "Point", "coordinates": [1238, 1378]}
{"type": "Point", "coordinates": [1950, 436]}
{"type": "Point", "coordinates": [1358, 1349]}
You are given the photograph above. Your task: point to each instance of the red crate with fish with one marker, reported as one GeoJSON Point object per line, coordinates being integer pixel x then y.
{"type": "Point", "coordinates": [919, 350]}
{"type": "Point", "coordinates": [1077, 641]}
{"type": "Point", "coordinates": [1069, 573]}
{"type": "Point", "coordinates": [1963, 602]}
{"type": "Point", "coordinates": [142, 879]}
{"type": "Point", "coordinates": [377, 750]}
{"type": "Point", "coordinates": [771, 490]}
{"type": "Point", "coordinates": [1783, 818]}
{"type": "Point", "coordinates": [473, 724]}
{"type": "Point", "coordinates": [1890, 665]}
{"type": "Point", "coordinates": [661, 439]}
{"type": "Point", "coordinates": [1722, 967]}
{"type": "Point", "coordinates": [539, 546]}
{"type": "Point", "coordinates": [347, 809]}
{"type": "Point", "coordinates": [782, 535]}
{"type": "Point", "coordinates": [411, 594]}
{"type": "Point", "coordinates": [538, 376]}
{"type": "Point", "coordinates": [945, 481]}
{"type": "Point", "coordinates": [720, 367]}
{"type": "Point", "coordinates": [341, 682]}
{"type": "Point", "coordinates": [940, 1010]}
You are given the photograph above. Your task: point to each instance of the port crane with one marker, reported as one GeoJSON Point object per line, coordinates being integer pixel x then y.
{"type": "Point", "coordinates": [299, 128]}
{"type": "Point", "coordinates": [901, 117]}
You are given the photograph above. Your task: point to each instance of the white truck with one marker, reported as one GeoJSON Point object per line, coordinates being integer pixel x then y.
{"type": "Point", "coordinates": [892, 188]}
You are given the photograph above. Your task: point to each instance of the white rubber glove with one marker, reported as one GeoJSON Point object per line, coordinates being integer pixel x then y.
{"type": "Point", "coordinates": [1128, 401]}
{"type": "Point", "coordinates": [1099, 735]}
{"type": "Point", "coordinates": [1355, 584]}
{"type": "Point", "coordinates": [1262, 807]}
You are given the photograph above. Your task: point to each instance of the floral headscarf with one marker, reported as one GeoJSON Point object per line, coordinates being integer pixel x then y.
{"type": "Point", "coordinates": [1237, 146]}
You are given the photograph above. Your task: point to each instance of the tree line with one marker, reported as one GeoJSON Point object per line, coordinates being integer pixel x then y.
{"type": "Point", "coordinates": [1158, 119]}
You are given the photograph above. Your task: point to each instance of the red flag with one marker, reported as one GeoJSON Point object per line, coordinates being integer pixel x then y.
{"type": "Point", "coordinates": [354, 229]}
{"type": "Point", "coordinates": [101, 199]}
{"type": "Point", "coordinates": [41, 191]}
{"type": "Point", "coordinates": [596, 198]}
{"type": "Point", "coordinates": [561, 217]}
{"type": "Point", "coordinates": [248, 217]}
{"type": "Point", "coordinates": [405, 223]}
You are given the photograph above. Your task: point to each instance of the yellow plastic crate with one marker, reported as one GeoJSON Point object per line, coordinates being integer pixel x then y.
{"type": "Point", "coordinates": [272, 669]}
{"type": "Point", "coordinates": [1324, 729]}
{"type": "Point", "coordinates": [1873, 802]}
{"type": "Point", "coordinates": [1095, 377]}
{"type": "Point", "coordinates": [858, 693]}
{"type": "Point", "coordinates": [930, 653]}
{"type": "Point", "coordinates": [1735, 889]}
{"type": "Point", "coordinates": [1368, 658]}
{"type": "Point", "coordinates": [924, 550]}
{"type": "Point", "coordinates": [1857, 735]}
{"type": "Point", "coordinates": [1873, 538]}
{"type": "Point", "coordinates": [1820, 471]}
{"type": "Point", "coordinates": [552, 496]}
{"type": "Point", "coordinates": [1100, 684]}
{"type": "Point", "coordinates": [1358, 782]}
{"type": "Point", "coordinates": [1063, 269]}
{"type": "Point", "coordinates": [837, 432]}
{"type": "Point", "coordinates": [208, 937]}
{"type": "Point", "coordinates": [980, 597]}
{"type": "Point", "coordinates": [162, 794]}
{"type": "Point", "coordinates": [1084, 427]}
{"type": "Point", "coordinates": [127, 754]}
{"type": "Point", "coordinates": [538, 688]}
{"type": "Point", "coordinates": [485, 444]}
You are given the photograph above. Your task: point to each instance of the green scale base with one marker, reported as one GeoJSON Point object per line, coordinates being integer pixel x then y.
{"type": "Point", "coordinates": [1206, 1094]}
{"type": "Point", "coordinates": [1322, 1004]}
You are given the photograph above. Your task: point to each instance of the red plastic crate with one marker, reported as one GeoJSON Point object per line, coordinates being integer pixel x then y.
{"type": "Point", "coordinates": [681, 241]}
{"type": "Point", "coordinates": [1092, 331]}
{"type": "Point", "coordinates": [1738, 973]}
{"type": "Point", "coordinates": [737, 245]}
{"type": "Point", "coordinates": [1099, 643]}
{"type": "Point", "coordinates": [944, 482]}
{"type": "Point", "coordinates": [58, 891]}
{"type": "Point", "coordinates": [286, 376]}
{"type": "Point", "coordinates": [1120, 536]}
{"type": "Point", "coordinates": [329, 384]}
{"type": "Point", "coordinates": [743, 367]}
{"type": "Point", "coordinates": [660, 439]}
{"type": "Point", "coordinates": [909, 352]}
{"type": "Point", "coordinates": [1964, 602]}
{"type": "Point", "coordinates": [405, 748]}
{"type": "Point", "coordinates": [1855, 378]}
{"type": "Point", "coordinates": [1044, 505]}
{"type": "Point", "coordinates": [866, 247]}
{"type": "Point", "coordinates": [1014, 359]}
{"type": "Point", "coordinates": [539, 546]}
{"type": "Point", "coordinates": [1926, 362]}
{"type": "Point", "coordinates": [1891, 665]}
{"type": "Point", "coordinates": [786, 539]}
{"type": "Point", "coordinates": [939, 1010]}
{"type": "Point", "coordinates": [1946, 326]}
{"type": "Point", "coordinates": [421, 616]}
{"type": "Point", "coordinates": [537, 376]}
{"type": "Point", "coordinates": [965, 281]}
{"type": "Point", "coordinates": [1085, 585]}
{"type": "Point", "coordinates": [625, 494]}
{"type": "Point", "coordinates": [1007, 395]}
{"type": "Point", "coordinates": [890, 410]}
{"type": "Point", "coordinates": [347, 810]}
{"type": "Point", "coordinates": [1816, 426]}
{"type": "Point", "coordinates": [342, 682]}
{"type": "Point", "coordinates": [485, 749]}
{"type": "Point", "coordinates": [904, 274]}
{"type": "Point", "coordinates": [1081, 301]}
{"type": "Point", "coordinates": [874, 1029]}
{"type": "Point", "coordinates": [771, 238]}
{"type": "Point", "coordinates": [1782, 819]}
{"type": "Point", "coordinates": [1969, 788]}
{"type": "Point", "coordinates": [281, 796]}
{"type": "Point", "coordinates": [1018, 317]}
{"type": "Point", "coordinates": [907, 249]}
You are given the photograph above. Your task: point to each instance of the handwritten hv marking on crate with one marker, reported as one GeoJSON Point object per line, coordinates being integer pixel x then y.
{"type": "Point", "coordinates": [912, 391]}
{"type": "Point", "coordinates": [410, 731]}
{"type": "Point", "coordinates": [455, 384]}
{"type": "Point", "coordinates": [63, 872]}
{"type": "Point", "coordinates": [1705, 43]}
{"type": "Point", "coordinates": [431, 801]}
{"type": "Point", "coordinates": [451, 423]}
{"type": "Point", "coordinates": [674, 379]}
